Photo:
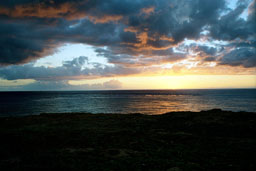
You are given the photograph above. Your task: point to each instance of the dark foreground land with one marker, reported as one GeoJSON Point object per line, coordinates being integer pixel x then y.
{"type": "Point", "coordinates": [210, 140]}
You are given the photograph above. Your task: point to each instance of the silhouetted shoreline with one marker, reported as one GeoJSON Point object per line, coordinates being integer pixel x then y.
{"type": "Point", "coordinates": [206, 140]}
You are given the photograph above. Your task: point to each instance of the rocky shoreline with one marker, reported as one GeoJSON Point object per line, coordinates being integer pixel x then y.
{"type": "Point", "coordinates": [207, 140]}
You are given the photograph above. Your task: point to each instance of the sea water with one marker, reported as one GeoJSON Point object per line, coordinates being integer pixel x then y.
{"type": "Point", "coordinates": [126, 101]}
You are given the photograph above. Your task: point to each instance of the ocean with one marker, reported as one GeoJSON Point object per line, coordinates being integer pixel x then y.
{"type": "Point", "coordinates": [126, 101]}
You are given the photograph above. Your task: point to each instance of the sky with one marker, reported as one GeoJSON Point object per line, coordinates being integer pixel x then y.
{"type": "Point", "coordinates": [124, 44]}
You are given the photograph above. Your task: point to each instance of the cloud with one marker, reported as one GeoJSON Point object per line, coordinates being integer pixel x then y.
{"type": "Point", "coordinates": [112, 84]}
{"type": "Point", "coordinates": [22, 42]}
{"type": "Point", "coordinates": [70, 10]}
{"type": "Point", "coordinates": [204, 50]}
{"type": "Point", "coordinates": [147, 11]}
{"type": "Point", "coordinates": [63, 85]}
{"type": "Point", "coordinates": [231, 26]}
{"type": "Point", "coordinates": [70, 70]}
{"type": "Point", "coordinates": [31, 30]}
{"type": "Point", "coordinates": [245, 57]}
{"type": "Point", "coordinates": [149, 58]}
{"type": "Point", "coordinates": [76, 62]}
{"type": "Point", "coordinates": [132, 35]}
{"type": "Point", "coordinates": [209, 59]}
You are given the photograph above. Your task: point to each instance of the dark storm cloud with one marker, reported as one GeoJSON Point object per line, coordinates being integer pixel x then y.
{"type": "Point", "coordinates": [20, 42]}
{"type": "Point", "coordinates": [252, 16]}
{"type": "Point", "coordinates": [245, 57]}
{"type": "Point", "coordinates": [209, 59]}
{"type": "Point", "coordinates": [203, 51]}
{"type": "Point", "coordinates": [97, 11]}
{"type": "Point", "coordinates": [206, 49]}
{"type": "Point", "coordinates": [232, 26]}
{"type": "Point", "coordinates": [142, 29]}
{"type": "Point", "coordinates": [100, 23]}
{"type": "Point", "coordinates": [149, 58]}
{"type": "Point", "coordinates": [70, 70]}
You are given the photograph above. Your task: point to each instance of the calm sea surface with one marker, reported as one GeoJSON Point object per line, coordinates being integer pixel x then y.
{"type": "Point", "coordinates": [130, 101]}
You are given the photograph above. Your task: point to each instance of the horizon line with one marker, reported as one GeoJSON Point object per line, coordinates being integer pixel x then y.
{"type": "Point", "coordinates": [129, 89]}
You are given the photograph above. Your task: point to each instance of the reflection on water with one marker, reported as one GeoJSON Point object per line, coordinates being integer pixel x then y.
{"type": "Point", "coordinates": [140, 101]}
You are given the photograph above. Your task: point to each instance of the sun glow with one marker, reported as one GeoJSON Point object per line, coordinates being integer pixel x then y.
{"type": "Point", "coordinates": [180, 82]}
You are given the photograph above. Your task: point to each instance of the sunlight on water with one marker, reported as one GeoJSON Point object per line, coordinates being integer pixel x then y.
{"type": "Point", "coordinates": [143, 101]}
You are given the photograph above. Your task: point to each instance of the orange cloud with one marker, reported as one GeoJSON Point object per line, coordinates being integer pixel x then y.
{"type": "Point", "coordinates": [131, 29]}
{"type": "Point", "coordinates": [105, 18]}
{"type": "Point", "coordinates": [147, 11]}
{"type": "Point", "coordinates": [170, 39]}
{"type": "Point", "coordinates": [42, 11]}
{"type": "Point", "coordinates": [66, 10]}
{"type": "Point", "coordinates": [144, 40]}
